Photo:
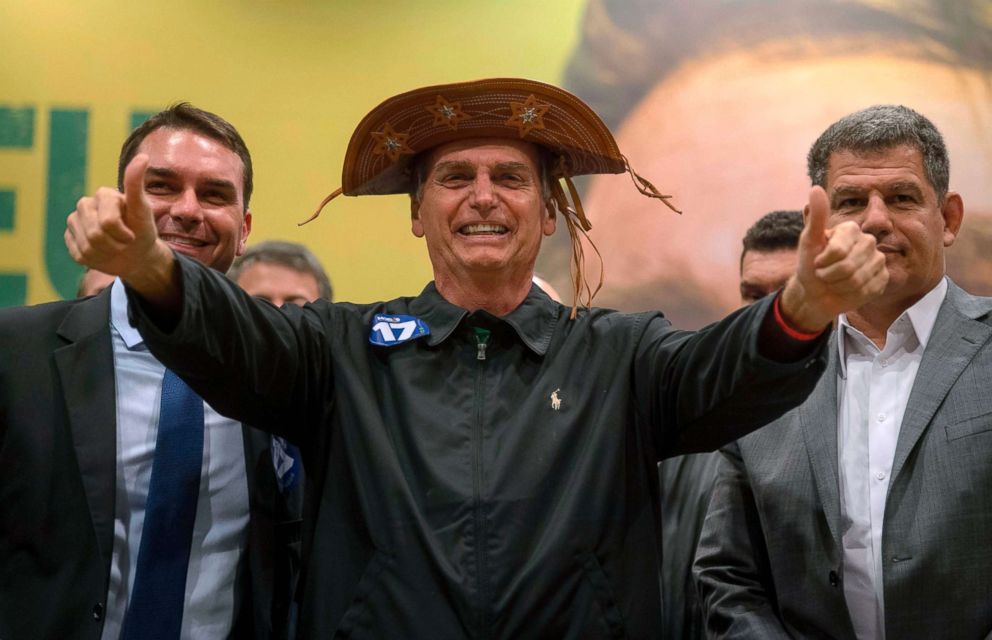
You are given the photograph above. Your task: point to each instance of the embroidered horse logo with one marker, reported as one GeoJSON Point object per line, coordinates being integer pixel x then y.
{"type": "Point", "coordinates": [555, 400]}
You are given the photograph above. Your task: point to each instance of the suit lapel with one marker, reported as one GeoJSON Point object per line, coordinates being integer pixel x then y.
{"type": "Point", "coordinates": [86, 370]}
{"type": "Point", "coordinates": [955, 340]}
{"type": "Point", "coordinates": [818, 418]}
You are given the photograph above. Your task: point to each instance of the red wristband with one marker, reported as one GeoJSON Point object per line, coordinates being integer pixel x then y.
{"type": "Point", "coordinates": [795, 334]}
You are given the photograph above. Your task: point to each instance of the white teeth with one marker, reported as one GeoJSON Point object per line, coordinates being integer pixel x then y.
{"type": "Point", "coordinates": [472, 229]}
{"type": "Point", "coordinates": [188, 242]}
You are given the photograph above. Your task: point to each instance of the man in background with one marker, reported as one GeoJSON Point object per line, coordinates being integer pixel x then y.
{"type": "Point", "coordinates": [865, 512]}
{"type": "Point", "coordinates": [281, 272]}
{"type": "Point", "coordinates": [769, 257]}
{"type": "Point", "coordinates": [770, 254]}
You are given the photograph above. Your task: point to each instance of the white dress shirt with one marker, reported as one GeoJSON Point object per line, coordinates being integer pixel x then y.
{"type": "Point", "coordinates": [873, 389]}
{"type": "Point", "coordinates": [219, 532]}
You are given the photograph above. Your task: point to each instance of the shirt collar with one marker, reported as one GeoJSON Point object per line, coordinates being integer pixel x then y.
{"type": "Point", "coordinates": [921, 316]}
{"type": "Point", "coordinates": [119, 317]}
{"type": "Point", "coordinates": [534, 320]}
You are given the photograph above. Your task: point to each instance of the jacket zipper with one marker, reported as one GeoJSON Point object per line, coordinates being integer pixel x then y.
{"type": "Point", "coordinates": [482, 339]}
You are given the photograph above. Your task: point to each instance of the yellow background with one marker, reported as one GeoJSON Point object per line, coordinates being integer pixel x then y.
{"type": "Point", "coordinates": [294, 77]}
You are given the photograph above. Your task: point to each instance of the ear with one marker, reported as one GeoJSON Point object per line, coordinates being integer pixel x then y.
{"type": "Point", "coordinates": [245, 230]}
{"type": "Point", "coordinates": [416, 226]}
{"type": "Point", "coordinates": [551, 221]}
{"type": "Point", "coordinates": [953, 212]}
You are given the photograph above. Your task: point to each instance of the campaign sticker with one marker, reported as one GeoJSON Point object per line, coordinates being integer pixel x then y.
{"type": "Point", "coordinates": [389, 331]}
{"type": "Point", "coordinates": [286, 461]}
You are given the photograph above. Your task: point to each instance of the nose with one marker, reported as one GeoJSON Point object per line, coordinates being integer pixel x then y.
{"type": "Point", "coordinates": [186, 209]}
{"type": "Point", "coordinates": [876, 219]}
{"type": "Point", "coordinates": [483, 197]}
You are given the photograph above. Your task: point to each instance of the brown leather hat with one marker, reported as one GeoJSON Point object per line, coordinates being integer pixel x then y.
{"type": "Point", "coordinates": [378, 156]}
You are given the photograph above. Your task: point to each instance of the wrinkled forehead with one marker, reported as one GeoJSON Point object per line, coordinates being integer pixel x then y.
{"type": "Point", "coordinates": [900, 162]}
{"type": "Point", "coordinates": [484, 152]}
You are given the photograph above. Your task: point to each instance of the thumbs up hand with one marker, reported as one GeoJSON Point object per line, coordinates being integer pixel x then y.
{"type": "Point", "coordinates": [839, 270]}
{"type": "Point", "coordinates": [115, 232]}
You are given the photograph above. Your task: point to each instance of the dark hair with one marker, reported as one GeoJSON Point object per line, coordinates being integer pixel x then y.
{"type": "Point", "coordinates": [286, 254]}
{"type": "Point", "coordinates": [184, 116]}
{"type": "Point", "coordinates": [775, 231]}
{"type": "Point", "coordinates": [880, 128]}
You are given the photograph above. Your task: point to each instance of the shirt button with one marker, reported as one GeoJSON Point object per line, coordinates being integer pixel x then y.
{"type": "Point", "coordinates": [834, 579]}
{"type": "Point", "coordinates": [98, 611]}
{"type": "Point", "coordinates": [881, 417]}
{"type": "Point", "coordinates": [883, 362]}
{"type": "Point", "coordinates": [880, 475]}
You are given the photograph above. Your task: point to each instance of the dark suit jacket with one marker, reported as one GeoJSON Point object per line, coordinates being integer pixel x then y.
{"type": "Point", "coordinates": [769, 563]}
{"type": "Point", "coordinates": [57, 481]}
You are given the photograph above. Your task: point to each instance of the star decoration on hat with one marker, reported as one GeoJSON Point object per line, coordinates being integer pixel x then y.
{"type": "Point", "coordinates": [447, 113]}
{"type": "Point", "coordinates": [391, 144]}
{"type": "Point", "coordinates": [527, 115]}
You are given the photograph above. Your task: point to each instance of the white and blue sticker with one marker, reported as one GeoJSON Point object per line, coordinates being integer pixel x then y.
{"type": "Point", "coordinates": [389, 331]}
{"type": "Point", "coordinates": [286, 461]}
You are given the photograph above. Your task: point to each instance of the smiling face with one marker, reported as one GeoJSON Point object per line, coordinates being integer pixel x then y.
{"type": "Point", "coordinates": [482, 211]}
{"type": "Point", "coordinates": [194, 185]}
{"type": "Point", "coordinates": [888, 195]}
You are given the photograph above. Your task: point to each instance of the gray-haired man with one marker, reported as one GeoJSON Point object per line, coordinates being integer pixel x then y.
{"type": "Point", "coordinates": [864, 513]}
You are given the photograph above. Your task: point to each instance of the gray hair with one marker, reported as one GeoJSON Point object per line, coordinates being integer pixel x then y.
{"type": "Point", "coordinates": [286, 254]}
{"type": "Point", "coordinates": [880, 128]}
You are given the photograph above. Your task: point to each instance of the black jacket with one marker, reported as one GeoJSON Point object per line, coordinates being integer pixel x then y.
{"type": "Point", "coordinates": [457, 492]}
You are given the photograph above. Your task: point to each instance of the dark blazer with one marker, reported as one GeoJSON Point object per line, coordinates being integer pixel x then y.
{"type": "Point", "coordinates": [57, 480]}
{"type": "Point", "coordinates": [769, 563]}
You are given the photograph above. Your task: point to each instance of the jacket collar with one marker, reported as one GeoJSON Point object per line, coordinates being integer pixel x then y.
{"type": "Point", "coordinates": [534, 321]}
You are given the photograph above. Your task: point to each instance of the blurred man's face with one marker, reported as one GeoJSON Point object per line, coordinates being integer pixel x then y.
{"type": "Point", "coordinates": [279, 284]}
{"type": "Point", "coordinates": [728, 135]}
{"type": "Point", "coordinates": [765, 272]}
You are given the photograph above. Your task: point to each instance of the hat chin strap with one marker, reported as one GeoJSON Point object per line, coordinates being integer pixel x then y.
{"type": "Point", "coordinates": [320, 207]}
{"type": "Point", "coordinates": [578, 226]}
{"type": "Point", "coordinates": [646, 188]}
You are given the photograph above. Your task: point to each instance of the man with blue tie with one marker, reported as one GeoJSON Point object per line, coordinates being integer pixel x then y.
{"type": "Point", "coordinates": [125, 502]}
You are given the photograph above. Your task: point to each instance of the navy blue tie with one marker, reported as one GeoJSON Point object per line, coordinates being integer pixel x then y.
{"type": "Point", "coordinates": [155, 611]}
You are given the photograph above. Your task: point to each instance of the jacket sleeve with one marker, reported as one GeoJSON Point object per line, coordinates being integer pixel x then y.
{"type": "Point", "coordinates": [250, 361]}
{"type": "Point", "coordinates": [697, 391]}
{"type": "Point", "coordinates": [731, 569]}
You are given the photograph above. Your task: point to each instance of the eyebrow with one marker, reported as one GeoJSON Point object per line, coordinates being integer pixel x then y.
{"type": "Point", "coordinates": [902, 185]}
{"type": "Point", "coordinates": [910, 187]}
{"type": "Point", "coordinates": [462, 165]}
{"type": "Point", "coordinates": [161, 172]}
{"type": "Point", "coordinates": [217, 183]}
